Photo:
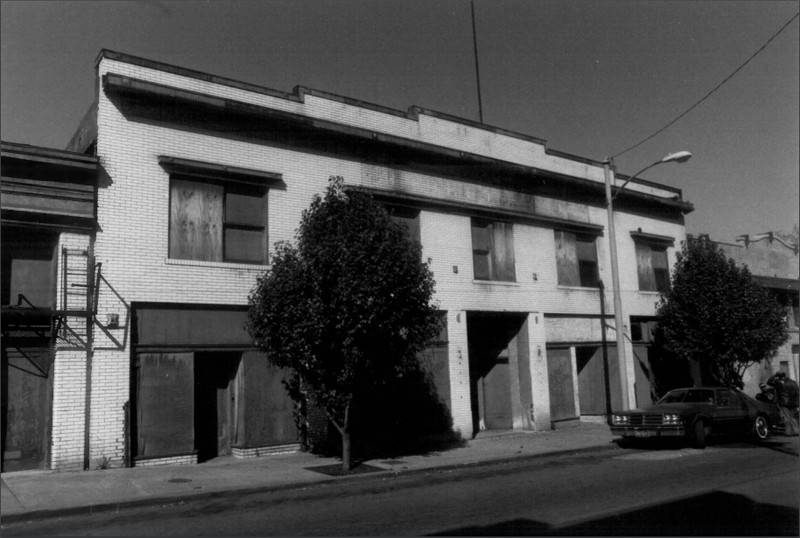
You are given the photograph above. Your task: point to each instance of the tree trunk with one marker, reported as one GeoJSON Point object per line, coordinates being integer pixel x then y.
{"type": "Point", "coordinates": [345, 451]}
{"type": "Point", "coordinates": [696, 372]}
{"type": "Point", "coordinates": [345, 431]}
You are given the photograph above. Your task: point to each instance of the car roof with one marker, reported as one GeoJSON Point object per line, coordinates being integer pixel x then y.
{"type": "Point", "coordinates": [704, 387]}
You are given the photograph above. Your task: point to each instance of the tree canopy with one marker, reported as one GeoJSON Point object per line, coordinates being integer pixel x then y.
{"type": "Point", "coordinates": [716, 316]}
{"type": "Point", "coordinates": [346, 309]}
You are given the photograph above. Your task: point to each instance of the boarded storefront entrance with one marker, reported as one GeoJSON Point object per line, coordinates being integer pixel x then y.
{"type": "Point", "coordinates": [26, 391]}
{"type": "Point", "coordinates": [199, 390]}
{"type": "Point", "coordinates": [28, 299]}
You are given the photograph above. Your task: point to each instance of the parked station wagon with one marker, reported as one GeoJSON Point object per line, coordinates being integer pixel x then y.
{"type": "Point", "coordinates": [696, 413]}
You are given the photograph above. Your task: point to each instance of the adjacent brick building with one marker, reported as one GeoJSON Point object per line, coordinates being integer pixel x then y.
{"type": "Point", "coordinates": [201, 175]}
{"type": "Point", "coordinates": [773, 264]}
{"type": "Point", "coordinates": [48, 223]}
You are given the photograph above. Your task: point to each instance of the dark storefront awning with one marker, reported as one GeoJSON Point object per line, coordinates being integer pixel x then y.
{"type": "Point", "coordinates": [174, 327]}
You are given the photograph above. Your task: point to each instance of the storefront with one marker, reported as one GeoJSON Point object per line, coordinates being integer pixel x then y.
{"type": "Point", "coordinates": [200, 390]}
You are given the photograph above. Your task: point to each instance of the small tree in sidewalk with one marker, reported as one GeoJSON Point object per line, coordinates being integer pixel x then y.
{"type": "Point", "coordinates": [718, 318]}
{"type": "Point", "coordinates": [349, 308]}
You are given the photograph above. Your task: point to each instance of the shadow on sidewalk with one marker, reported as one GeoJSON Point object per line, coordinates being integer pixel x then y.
{"type": "Point", "coordinates": [710, 514]}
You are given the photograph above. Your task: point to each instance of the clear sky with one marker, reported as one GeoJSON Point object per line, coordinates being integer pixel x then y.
{"type": "Point", "coordinates": [591, 77]}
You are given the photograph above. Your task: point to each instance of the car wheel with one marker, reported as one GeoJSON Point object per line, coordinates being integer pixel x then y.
{"type": "Point", "coordinates": [760, 428]}
{"type": "Point", "coordinates": [699, 435]}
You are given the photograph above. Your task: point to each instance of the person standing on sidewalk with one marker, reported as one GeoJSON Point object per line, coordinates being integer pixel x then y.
{"type": "Point", "coordinates": [786, 394]}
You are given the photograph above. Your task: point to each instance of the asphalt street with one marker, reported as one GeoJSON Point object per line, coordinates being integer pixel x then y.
{"type": "Point", "coordinates": [730, 488]}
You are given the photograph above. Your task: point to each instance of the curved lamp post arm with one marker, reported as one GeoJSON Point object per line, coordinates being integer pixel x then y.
{"type": "Point", "coordinates": [680, 157]}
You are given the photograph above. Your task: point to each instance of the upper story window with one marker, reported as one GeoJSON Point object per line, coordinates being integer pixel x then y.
{"type": "Point", "coordinates": [493, 250]}
{"type": "Point", "coordinates": [652, 267]}
{"type": "Point", "coordinates": [408, 217]}
{"type": "Point", "coordinates": [220, 223]}
{"type": "Point", "coordinates": [576, 259]}
{"type": "Point", "coordinates": [652, 264]}
{"type": "Point", "coordinates": [217, 213]}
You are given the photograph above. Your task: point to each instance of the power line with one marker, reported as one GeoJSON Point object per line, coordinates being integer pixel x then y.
{"type": "Point", "coordinates": [718, 86]}
{"type": "Point", "coordinates": [477, 71]}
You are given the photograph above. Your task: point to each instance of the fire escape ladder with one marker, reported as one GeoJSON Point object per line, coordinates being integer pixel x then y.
{"type": "Point", "coordinates": [77, 298]}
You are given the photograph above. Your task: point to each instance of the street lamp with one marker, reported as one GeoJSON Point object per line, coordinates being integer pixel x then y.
{"type": "Point", "coordinates": [679, 157]}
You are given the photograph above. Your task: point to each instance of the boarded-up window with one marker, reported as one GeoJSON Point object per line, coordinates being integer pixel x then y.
{"type": "Point", "coordinates": [652, 267]}
{"type": "Point", "coordinates": [576, 259]}
{"type": "Point", "coordinates": [409, 218]}
{"type": "Point", "coordinates": [217, 222]}
{"type": "Point", "coordinates": [493, 250]}
{"type": "Point", "coordinates": [164, 404]}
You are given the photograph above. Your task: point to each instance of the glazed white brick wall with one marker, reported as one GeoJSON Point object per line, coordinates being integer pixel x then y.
{"type": "Point", "coordinates": [540, 387]}
{"type": "Point", "coordinates": [174, 460]}
{"type": "Point", "coordinates": [133, 214]}
{"type": "Point", "coordinates": [110, 392]}
{"type": "Point", "coordinates": [69, 374]}
{"type": "Point", "coordinates": [69, 410]}
{"type": "Point", "coordinates": [458, 355]}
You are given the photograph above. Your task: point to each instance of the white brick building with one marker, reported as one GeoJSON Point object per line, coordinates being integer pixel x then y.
{"type": "Point", "coordinates": [201, 176]}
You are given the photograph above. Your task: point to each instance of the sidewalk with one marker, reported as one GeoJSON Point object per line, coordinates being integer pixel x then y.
{"type": "Point", "coordinates": [35, 494]}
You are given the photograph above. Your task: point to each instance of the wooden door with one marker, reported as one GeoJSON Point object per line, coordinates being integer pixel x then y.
{"type": "Point", "coordinates": [562, 392]}
{"type": "Point", "coordinates": [497, 396]}
{"type": "Point", "coordinates": [26, 396]}
{"type": "Point", "coordinates": [598, 378]}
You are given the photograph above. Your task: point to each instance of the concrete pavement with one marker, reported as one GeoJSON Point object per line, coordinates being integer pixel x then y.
{"type": "Point", "coordinates": [30, 495]}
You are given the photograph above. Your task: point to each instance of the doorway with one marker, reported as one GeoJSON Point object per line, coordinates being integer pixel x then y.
{"type": "Point", "coordinates": [495, 362]}
{"type": "Point", "coordinates": [215, 403]}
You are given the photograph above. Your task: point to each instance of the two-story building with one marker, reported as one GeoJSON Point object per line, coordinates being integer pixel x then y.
{"type": "Point", "coordinates": [202, 175]}
{"type": "Point", "coordinates": [48, 224]}
{"type": "Point", "coordinates": [773, 264]}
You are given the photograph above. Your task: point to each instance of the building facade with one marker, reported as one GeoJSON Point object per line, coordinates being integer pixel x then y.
{"type": "Point", "coordinates": [48, 225]}
{"type": "Point", "coordinates": [773, 264]}
{"type": "Point", "coordinates": [201, 176]}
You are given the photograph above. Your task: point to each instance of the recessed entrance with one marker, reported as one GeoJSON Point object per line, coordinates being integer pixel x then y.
{"type": "Point", "coordinates": [497, 358]}
{"type": "Point", "coordinates": [215, 403]}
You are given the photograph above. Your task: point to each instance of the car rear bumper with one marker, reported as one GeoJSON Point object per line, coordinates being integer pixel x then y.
{"type": "Point", "coordinates": [648, 431]}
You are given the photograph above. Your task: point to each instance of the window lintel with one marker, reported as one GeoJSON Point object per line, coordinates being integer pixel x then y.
{"type": "Point", "coordinates": [220, 172]}
{"type": "Point", "coordinates": [653, 239]}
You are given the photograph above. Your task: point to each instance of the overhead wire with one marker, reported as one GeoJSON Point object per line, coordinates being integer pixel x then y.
{"type": "Point", "coordinates": [718, 86]}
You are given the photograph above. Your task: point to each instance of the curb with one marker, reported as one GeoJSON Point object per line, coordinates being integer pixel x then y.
{"type": "Point", "coordinates": [191, 497]}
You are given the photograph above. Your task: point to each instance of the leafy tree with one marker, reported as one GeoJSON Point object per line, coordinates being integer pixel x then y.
{"type": "Point", "coordinates": [717, 317]}
{"type": "Point", "coordinates": [348, 309]}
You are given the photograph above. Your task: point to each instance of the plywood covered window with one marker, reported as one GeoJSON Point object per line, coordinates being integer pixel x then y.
{"type": "Point", "coordinates": [217, 221]}
{"type": "Point", "coordinates": [652, 267]}
{"type": "Point", "coordinates": [493, 250]}
{"type": "Point", "coordinates": [409, 218]}
{"type": "Point", "coordinates": [576, 259]}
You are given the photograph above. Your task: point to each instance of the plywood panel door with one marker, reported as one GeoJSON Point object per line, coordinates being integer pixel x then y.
{"type": "Point", "coordinates": [497, 396]}
{"type": "Point", "coordinates": [559, 376]}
